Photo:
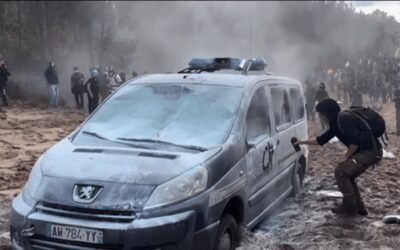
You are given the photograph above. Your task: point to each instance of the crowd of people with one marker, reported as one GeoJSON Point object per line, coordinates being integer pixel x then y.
{"type": "Point", "coordinates": [97, 87]}
{"type": "Point", "coordinates": [377, 79]}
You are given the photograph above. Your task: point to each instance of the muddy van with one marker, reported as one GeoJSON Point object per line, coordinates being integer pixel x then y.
{"type": "Point", "coordinates": [169, 161]}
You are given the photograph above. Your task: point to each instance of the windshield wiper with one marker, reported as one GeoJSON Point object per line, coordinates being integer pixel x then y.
{"type": "Point", "coordinates": [94, 134]}
{"type": "Point", "coordinates": [198, 148]}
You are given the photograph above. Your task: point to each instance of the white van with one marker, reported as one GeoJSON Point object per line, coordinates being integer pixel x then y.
{"type": "Point", "coordinates": [169, 161]}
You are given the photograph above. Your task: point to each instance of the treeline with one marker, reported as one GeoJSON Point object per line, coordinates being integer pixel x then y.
{"type": "Point", "coordinates": [326, 33]}
{"type": "Point", "coordinates": [341, 33]}
{"type": "Point", "coordinates": [35, 32]}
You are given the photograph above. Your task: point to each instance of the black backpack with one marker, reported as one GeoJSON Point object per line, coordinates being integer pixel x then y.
{"type": "Point", "coordinates": [372, 119]}
{"type": "Point", "coordinates": [77, 79]}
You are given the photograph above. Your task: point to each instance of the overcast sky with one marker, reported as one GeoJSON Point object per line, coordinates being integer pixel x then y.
{"type": "Point", "coordinates": [390, 7]}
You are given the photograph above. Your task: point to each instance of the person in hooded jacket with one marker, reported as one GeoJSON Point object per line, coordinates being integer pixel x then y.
{"type": "Point", "coordinates": [321, 93]}
{"type": "Point", "coordinates": [77, 87]}
{"type": "Point", "coordinates": [52, 79]}
{"type": "Point", "coordinates": [364, 150]}
{"type": "Point", "coordinates": [4, 74]}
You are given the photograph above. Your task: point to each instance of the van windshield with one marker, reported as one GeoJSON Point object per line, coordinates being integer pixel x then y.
{"type": "Point", "coordinates": [172, 114]}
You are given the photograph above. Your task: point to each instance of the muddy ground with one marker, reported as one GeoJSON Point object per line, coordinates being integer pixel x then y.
{"type": "Point", "coordinates": [302, 223]}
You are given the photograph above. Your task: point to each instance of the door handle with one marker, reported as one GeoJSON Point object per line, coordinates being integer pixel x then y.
{"type": "Point", "coordinates": [271, 148]}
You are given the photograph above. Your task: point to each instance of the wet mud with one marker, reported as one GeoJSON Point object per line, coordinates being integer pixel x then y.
{"type": "Point", "coordinates": [304, 222]}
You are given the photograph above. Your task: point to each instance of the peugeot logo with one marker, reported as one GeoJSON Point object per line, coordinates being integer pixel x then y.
{"type": "Point", "coordinates": [86, 193]}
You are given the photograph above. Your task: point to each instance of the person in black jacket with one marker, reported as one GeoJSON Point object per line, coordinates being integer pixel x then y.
{"type": "Point", "coordinates": [4, 74]}
{"type": "Point", "coordinates": [77, 87]}
{"type": "Point", "coordinates": [321, 93]}
{"type": "Point", "coordinates": [363, 151]}
{"type": "Point", "coordinates": [52, 80]}
{"type": "Point", "coordinates": [92, 90]}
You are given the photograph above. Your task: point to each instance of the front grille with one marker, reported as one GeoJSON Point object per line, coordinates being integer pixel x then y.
{"type": "Point", "coordinates": [45, 243]}
{"type": "Point", "coordinates": [124, 216]}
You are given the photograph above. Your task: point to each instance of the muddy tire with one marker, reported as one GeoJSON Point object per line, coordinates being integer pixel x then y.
{"type": "Point", "coordinates": [228, 235]}
{"type": "Point", "coordinates": [297, 184]}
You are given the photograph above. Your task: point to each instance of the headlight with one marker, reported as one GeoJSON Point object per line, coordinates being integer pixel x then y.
{"type": "Point", "coordinates": [179, 188]}
{"type": "Point", "coordinates": [33, 183]}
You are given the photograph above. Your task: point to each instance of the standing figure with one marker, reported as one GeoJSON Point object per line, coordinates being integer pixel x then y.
{"type": "Point", "coordinates": [92, 90]}
{"type": "Point", "coordinates": [319, 97]}
{"type": "Point", "coordinates": [77, 87]}
{"type": "Point", "coordinates": [396, 100]}
{"type": "Point", "coordinates": [4, 74]}
{"type": "Point", "coordinates": [104, 90]}
{"type": "Point", "coordinates": [52, 81]}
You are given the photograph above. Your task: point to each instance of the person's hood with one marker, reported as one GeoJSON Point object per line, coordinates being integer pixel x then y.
{"type": "Point", "coordinates": [328, 107]}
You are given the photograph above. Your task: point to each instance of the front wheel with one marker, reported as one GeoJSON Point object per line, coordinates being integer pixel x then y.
{"type": "Point", "coordinates": [228, 235]}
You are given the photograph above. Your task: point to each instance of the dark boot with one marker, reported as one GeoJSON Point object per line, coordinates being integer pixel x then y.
{"type": "Point", "coordinates": [361, 209]}
{"type": "Point", "coordinates": [348, 208]}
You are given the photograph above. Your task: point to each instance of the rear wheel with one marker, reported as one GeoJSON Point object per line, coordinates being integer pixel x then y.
{"type": "Point", "coordinates": [228, 235]}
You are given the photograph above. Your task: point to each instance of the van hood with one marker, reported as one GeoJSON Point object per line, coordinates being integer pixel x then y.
{"type": "Point", "coordinates": [119, 165]}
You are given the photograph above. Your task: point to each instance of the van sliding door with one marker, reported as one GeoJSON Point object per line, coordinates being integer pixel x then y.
{"type": "Point", "coordinates": [260, 160]}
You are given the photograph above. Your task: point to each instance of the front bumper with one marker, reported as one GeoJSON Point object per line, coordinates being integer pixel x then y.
{"type": "Point", "coordinates": [174, 231]}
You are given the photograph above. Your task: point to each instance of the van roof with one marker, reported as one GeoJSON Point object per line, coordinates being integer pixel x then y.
{"type": "Point", "coordinates": [233, 80]}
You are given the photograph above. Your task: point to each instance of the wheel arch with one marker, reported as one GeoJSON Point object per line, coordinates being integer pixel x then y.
{"type": "Point", "coordinates": [235, 207]}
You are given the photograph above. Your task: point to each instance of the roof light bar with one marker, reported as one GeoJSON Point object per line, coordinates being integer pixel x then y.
{"type": "Point", "coordinates": [258, 63]}
{"type": "Point", "coordinates": [219, 63]}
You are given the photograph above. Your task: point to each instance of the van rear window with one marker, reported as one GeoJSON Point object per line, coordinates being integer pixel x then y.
{"type": "Point", "coordinates": [281, 107]}
{"type": "Point", "coordinates": [297, 101]}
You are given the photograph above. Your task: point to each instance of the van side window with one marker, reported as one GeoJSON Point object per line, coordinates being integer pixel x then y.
{"type": "Point", "coordinates": [280, 104]}
{"type": "Point", "coordinates": [297, 104]}
{"type": "Point", "coordinates": [257, 119]}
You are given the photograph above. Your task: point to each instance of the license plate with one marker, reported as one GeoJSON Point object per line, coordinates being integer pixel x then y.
{"type": "Point", "coordinates": [76, 234]}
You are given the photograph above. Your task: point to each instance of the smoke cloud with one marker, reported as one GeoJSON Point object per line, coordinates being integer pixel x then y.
{"type": "Point", "coordinates": [293, 37]}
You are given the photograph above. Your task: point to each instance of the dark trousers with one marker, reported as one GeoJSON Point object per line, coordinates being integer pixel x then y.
{"type": "Point", "coordinates": [3, 94]}
{"type": "Point", "coordinates": [347, 172]}
{"type": "Point", "coordinates": [79, 99]}
{"type": "Point", "coordinates": [93, 102]}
